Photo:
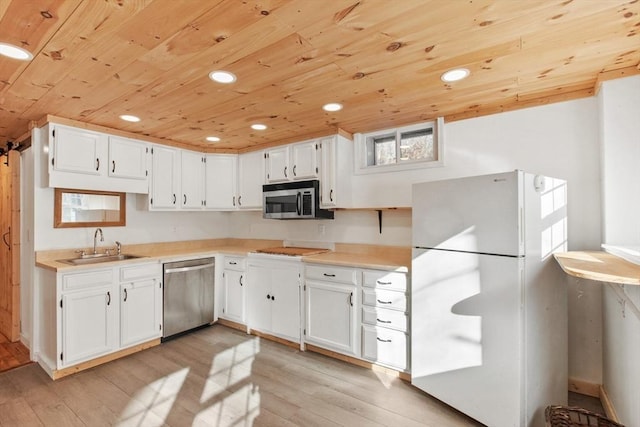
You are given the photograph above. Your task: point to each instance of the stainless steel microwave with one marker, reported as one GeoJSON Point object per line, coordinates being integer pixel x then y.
{"type": "Point", "coordinates": [293, 200]}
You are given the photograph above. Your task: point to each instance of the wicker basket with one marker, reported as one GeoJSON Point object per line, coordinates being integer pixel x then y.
{"type": "Point", "coordinates": [567, 416]}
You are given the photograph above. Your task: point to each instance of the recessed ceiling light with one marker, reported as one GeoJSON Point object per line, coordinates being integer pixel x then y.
{"type": "Point", "coordinates": [258, 126]}
{"type": "Point", "coordinates": [15, 52]}
{"type": "Point", "coordinates": [222, 76]}
{"type": "Point", "coordinates": [332, 106]}
{"type": "Point", "coordinates": [455, 75]}
{"type": "Point", "coordinates": [130, 118]}
{"type": "Point", "coordinates": [212, 139]}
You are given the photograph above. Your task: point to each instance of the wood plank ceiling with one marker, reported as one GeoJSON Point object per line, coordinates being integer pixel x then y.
{"type": "Point", "coordinates": [382, 59]}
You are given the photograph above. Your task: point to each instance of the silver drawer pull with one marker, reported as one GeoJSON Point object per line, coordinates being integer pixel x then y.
{"type": "Point", "coordinates": [329, 275]}
{"type": "Point", "coordinates": [186, 269]}
{"type": "Point", "coordinates": [383, 321]}
{"type": "Point", "coordinates": [381, 340]}
{"type": "Point", "coordinates": [383, 283]}
{"type": "Point", "coordinates": [384, 302]}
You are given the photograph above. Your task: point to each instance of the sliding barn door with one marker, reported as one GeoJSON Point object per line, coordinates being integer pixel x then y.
{"type": "Point", "coordinates": [10, 246]}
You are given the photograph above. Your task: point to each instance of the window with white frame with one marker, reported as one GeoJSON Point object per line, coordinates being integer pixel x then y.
{"type": "Point", "coordinates": [407, 147]}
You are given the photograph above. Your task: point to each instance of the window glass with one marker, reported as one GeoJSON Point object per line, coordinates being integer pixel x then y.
{"type": "Point", "coordinates": [417, 145]}
{"type": "Point", "coordinates": [385, 150]}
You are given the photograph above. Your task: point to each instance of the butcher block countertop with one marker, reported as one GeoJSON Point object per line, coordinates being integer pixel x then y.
{"type": "Point", "coordinates": [599, 266]}
{"type": "Point", "coordinates": [354, 255]}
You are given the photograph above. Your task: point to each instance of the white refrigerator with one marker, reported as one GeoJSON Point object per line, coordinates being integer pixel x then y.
{"type": "Point", "coordinates": [489, 303]}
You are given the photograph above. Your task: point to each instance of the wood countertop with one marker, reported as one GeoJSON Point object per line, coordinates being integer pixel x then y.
{"type": "Point", "coordinates": [599, 266]}
{"type": "Point", "coordinates": [396, 258]}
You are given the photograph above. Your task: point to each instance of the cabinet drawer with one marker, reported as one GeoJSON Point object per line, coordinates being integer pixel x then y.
{"type": "Point", "coordinates": [140, 271]}
{"type": "Point", "coordinates": [234, 263]}
{"type": "Point", "coordinates": [383, 298]}
{"type": "Point", "coordinates": [385, 346]}
{"type": "Point", "coordinates": [385, 280]}
{"type": "Point", "coordinates": [330, 273]}
{"type": "Point", "coordinates": [385, 318]}
{"type": "Point", "coordinates": [93, 278]}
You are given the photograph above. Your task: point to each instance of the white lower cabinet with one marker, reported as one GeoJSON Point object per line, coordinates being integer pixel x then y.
{"type": "Point", "coordinates": [331, 308]}
{"type": "Point", "coordinates": [273, 301]}
{"type": "Point", "coordinates": [358, 312]}
{"type": "Point", "coordinates": [93, 312]}
{"type": "Point", "coordinates": [140, 304]}
{"type": "Point", "coordinates": [385, 325]}
{"type": "Point", "coordinates": [89, 324]}
{"type": "Point", "coordinates": [331, 320]}
{"type": "Point", "coordinates": [234, 297]}
{"type": "Point", "coordinates": [385, 346]}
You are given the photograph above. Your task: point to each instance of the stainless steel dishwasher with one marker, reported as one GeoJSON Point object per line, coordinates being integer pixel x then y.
{"type": "Point", "coordinates": [188, 295]}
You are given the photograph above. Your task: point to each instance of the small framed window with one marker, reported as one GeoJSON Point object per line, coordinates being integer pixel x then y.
{"type": "Point", "coordinates": [408, 147]}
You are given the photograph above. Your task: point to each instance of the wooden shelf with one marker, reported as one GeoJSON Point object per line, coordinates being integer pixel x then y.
{"type": "Point", "coordinates": [599, 266]}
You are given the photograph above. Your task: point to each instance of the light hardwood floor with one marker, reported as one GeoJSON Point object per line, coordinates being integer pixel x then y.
{"type": "Point", "coordinates": [219, 377]}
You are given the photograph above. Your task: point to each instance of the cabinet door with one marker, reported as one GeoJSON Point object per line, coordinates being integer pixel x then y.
{"type": "Point", "coordinates": [220, 181]}
{"type": "Point", "coordinates": [250, 180]}
{"type": "Point", "coordinates": [165, 177]}
{"type": "Point", "coordinates": [277, 164]}
{"type": "Point", "coordinates": [234, 296]}
{"type": "Point", "coordinates": [259, 298]}
{"type": "Point", "coordinates": [89, 325]}
{"type": "Point", "coordinates": [127, 158]}
{"type": "Point", "coordinates": [140, 311]}
{"type": "Point", "coordinates": [304, 162]}
{"type": "Point", "coordinates": [78, 150]}
{"type": "Point", "coordinates": [192, 180]}
{"type": "Point", "coordinates": [331, 316]}
{"type": "Point", "coordinates": [285, 302]}
{"type": "Point", "coordinates": [328, 172]}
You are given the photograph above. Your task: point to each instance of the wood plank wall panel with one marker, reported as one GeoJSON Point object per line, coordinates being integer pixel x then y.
{"type": "Point", "coordinates": [383, 60]}
{"type": "Point", "coordinates": [10, 246]}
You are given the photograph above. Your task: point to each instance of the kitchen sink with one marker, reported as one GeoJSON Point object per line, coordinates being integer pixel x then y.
{"type": "Point", "coordinates": [98, 258]}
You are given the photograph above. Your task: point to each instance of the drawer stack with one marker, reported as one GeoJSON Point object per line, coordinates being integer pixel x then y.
{"type": "Point", "coordinates": [385, 338]}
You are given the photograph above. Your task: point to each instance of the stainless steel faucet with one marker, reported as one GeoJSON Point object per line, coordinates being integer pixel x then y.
{"type": "Point", "coordinates": [118, 247]}
{"type": "Point", "coordinates": [95, 238]}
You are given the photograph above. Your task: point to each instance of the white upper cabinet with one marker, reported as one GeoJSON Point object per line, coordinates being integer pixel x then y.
{"type": "Point", "coordinates": [165, 177]}
{"type": "Point", "coordinates": [128, 158]}
{"type": "Point", "coordinates": [220, 181]}
{"type": "Point", "coordinates": [292, 162]}
{"type": "Point", "coordinates": [277, 164]}
{"type": "Point", "coordinates": [304, 160]}
{"type": "Point", "coordinates": [78, 150]}
{"type": "Point", "coordinates": [335, 172]}
{"type": "Point", "coordinates": [250, 180]}
{"type": "Point", "coordinates": [192, 180]}
{"type": "Point", "coordinates": [89, 160]}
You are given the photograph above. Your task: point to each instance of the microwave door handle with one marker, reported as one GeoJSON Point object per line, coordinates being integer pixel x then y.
{"type": "Point", "coordinates": [299, 203]}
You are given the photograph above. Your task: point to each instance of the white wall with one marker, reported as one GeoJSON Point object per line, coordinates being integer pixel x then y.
{"type": "Point", "coordinates": [620, 117]}
{"type": "Point", "coordinates": [347, 227]}
{"type": "Point", "coordinates": [619, 102]}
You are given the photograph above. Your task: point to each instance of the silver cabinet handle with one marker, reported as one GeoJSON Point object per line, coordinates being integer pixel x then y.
{"type": "Point", "coordinates": [185, 269]}
{"type": "Point", "coordinates": [351, 299]}
{"type": "Point", "coordinates": [240, 280]}
{"type": "Point", "coordinates": [381, 340]}
{"type": "Point", "coordinates": [108, 298]}
{"type": "Point", "coordinates": [383, 321]}
{"type": "Point", "coordinates": [113, 167]}
{"type": "Point", "coordinates": [285, 172]}
{"type": "Point", "coordinates": [382, 283]}
{"type": "Point", "coordinates": [97, 164]}
{"type": "Point", "coordinates": [384, 302]}
{"type": "Point", "coordinates": [328, 275]}
{"type": "Point", "coordinates": [125, 294]}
